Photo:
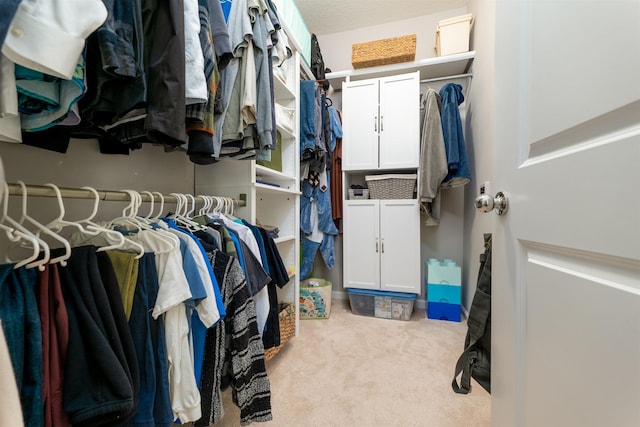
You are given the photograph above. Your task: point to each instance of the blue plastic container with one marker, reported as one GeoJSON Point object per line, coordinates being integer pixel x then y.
{"type": "Point", "coordinates": [443, 311]}
{"type": "Point", "coordinates": [443, 293]}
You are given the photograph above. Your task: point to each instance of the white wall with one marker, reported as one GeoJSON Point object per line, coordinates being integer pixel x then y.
{"type": "Point", "coordinates": [479, 131]}
{"type": "Point", "coordinates": [446, 240]}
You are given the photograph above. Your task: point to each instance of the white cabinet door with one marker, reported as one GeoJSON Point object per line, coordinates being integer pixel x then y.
{"type": "Point", "coordinates": [381, 123]}
{"type": "Point", "coordinates": [360, 127]}
{"type": "Point", "coordinates": [400, 246]}
{"type": "Point", "coordinates": [382, 245]}
{"type": "Point", "coordinates": [361, 244]}
{"type": "Point", "coordinates": [399, 121]}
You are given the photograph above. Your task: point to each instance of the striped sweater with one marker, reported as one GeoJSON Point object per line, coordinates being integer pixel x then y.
{"type": "Point", "coordinates": [234, 354]}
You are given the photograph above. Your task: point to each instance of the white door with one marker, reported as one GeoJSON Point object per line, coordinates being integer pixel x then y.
{"type": "Point", "coordinates": [400, 246]}
{"type": "Point", "coordinates": [400, 121]}
{"type": "Point", "coordinates": [362, 244]}
{"type": "Point", "coordinates": [566, 268]}
{"type": "Point", "coordinates": [360, 124]}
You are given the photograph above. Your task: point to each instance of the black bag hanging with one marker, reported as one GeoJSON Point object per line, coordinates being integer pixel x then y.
{"type": "Point", "coordinates": [317, 63]}
{"type": "Point", "coordinates": [475, 361]}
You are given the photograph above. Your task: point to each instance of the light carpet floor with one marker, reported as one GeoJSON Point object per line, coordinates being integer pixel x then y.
{"type": "Point", "coordinates": [352, 370]}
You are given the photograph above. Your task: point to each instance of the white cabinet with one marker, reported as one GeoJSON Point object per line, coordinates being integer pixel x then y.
{"type": "Point", "coordinates": [381, 123]}
{"type": "Point", "coordinates": [382, 245]}
{"type": "Point", "coordinates": [272, 195]}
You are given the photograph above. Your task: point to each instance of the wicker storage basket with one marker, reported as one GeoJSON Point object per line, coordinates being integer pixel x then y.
{"type": "Point", "coordinates": [383, 52]}
{"type": "Point", "coordinates": [391, 186]}
{"type": "Point", "coordinates": [287, 318]}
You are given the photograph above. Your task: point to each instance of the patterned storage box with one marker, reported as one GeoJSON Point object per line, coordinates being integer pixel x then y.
{"type": "Point", "coordinates": [315, 298]}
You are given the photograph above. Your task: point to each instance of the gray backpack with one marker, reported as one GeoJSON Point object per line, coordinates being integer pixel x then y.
{"type": "Point", "coordinates": [475, 361]}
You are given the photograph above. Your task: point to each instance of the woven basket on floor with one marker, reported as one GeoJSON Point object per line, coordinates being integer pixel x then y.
{"type": "Point", "coordinates": [383, 52]}
{"type": "Point", "coordinates": [287, 318]}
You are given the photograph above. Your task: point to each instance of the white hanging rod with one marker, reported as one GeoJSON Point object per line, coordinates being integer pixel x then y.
{"type": "Point", "coordinates": [109, 195]}
{"type": "Point", "coordinates": [437, 79]}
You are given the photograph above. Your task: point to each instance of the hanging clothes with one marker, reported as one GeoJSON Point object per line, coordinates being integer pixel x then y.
{"type": "Point", "coordinates": [458, 168]}
{"type": "Point", "coordinates": [433, 158]}
{"type": "Point", "coordinates": [335, 175]}
{"type": "Point", "coordinates": [99, 383]}
{"type": "Point", "coordinates": [54, 322]}
{"type": "Point", "coordinates": [21, 327]}
{"type": "Point", "coordinates": [119, 332]}
{"type": "Point", "coordinates": [200, 117]}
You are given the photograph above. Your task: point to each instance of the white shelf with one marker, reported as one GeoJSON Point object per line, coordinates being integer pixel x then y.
{"type": "Point", "coordinates": [274, 189]}
{"type": "Point", "coordinates": [265, 172]}
{"type": "Point", "coordinates": [284, 239]}
{"type": "Point", "coordinates": [441, 66]}
{"type": "Point", "coordinates": [281, 90]}
{"type": "Point", "coordinates": [285, 132]}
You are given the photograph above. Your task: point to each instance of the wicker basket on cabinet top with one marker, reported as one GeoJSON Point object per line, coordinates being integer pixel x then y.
{"type": "Point", "coordinates": [383, 52]}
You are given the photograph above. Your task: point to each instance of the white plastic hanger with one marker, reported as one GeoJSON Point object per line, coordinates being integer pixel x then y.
{"type": "Point", "coordinates": [149, 216]}
{"type": "Point", "coordinates": [161, 197]}
{"type": "Point", "coordinates": [170, 244]}
{"type": "Point", "coordinates": [128, 218]}
{"type": "Point", "coordinates": [179, 217]}
{"type": "Point", "coordinates": [17, 236]}
{"type": "Point", "coordinates": [205, 207]}
{"type": "Point", "coordinates": [121, 242]}
{"type": "Point", "coordinates": [59, 223]}
{"type": "Point", "coordinates": [42, 230]}
{"type": "Point", "coordinates": [228, 208]}
{"type": "Point", "coordinates": [20, 235]}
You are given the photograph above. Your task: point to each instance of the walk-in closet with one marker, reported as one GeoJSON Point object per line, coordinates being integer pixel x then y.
{"type": "Point", "coordinates": [319, 213]}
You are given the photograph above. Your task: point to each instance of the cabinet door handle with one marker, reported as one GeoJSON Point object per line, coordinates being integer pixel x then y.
{"type": "Point", "coordinates": [381, 123]}
{"type": "Point", "coordinates": [376, 245]}
{"type": "Point", "coordinates": [382, 244]}
{"type": "Point", "coordinates": [375, 123]}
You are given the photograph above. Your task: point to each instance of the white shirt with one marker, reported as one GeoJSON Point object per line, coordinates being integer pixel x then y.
{"type": "Point", "coordinates": [49, 35]}
{"type": "Point", "coordinates": [172, 292]}
{"type": "Point", "coordinates": [196, 89]}
{"type": "Point", "coordinates": [173, 286]}
{"type": "Point", "coordinates": [207, 309]}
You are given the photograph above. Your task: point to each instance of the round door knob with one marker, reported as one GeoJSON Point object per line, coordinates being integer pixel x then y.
{"type": "Point", "coordinates": [485, 203]}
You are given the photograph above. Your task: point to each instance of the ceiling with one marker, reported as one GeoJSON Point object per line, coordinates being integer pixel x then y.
{"type": "Point", "coordinates": [335, 16]}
